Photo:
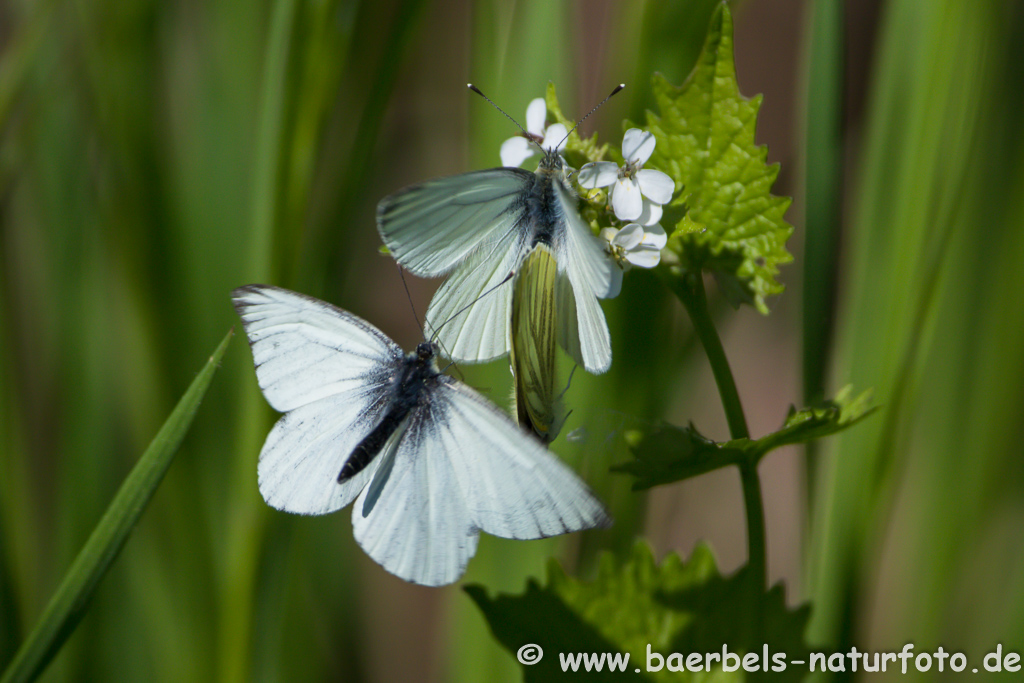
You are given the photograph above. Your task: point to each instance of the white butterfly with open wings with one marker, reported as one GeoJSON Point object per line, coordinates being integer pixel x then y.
{"type": "Point", "coordinates": [432, 462]}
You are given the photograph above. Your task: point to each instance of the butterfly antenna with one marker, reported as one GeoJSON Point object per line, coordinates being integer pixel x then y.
{"type": "Point", "coordinates": [527, 135]}
{"type": "Point", "coordinates": [619, 87]}
{"type": "Point", "coordinates": [473, 303]}
{"type": "Point", "coordinates": [409, 296]}
{"type": "Point", "coordinates": [567, 385]}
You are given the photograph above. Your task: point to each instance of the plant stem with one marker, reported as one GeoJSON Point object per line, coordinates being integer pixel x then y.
{"type": "Point", "coordinates": [756, 547]}
{"type": "Point", "coordinates": [690, 290]}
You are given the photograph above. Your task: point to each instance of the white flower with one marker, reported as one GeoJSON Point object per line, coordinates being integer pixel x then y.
{"type": "Point", "coordinates": [637, 193]}
{"type": "Point", "coordinates": [515, 151]}
{"type": "Point", "coordinates": [635, 245]}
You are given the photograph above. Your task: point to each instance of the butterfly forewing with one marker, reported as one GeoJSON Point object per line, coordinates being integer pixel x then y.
{"type": "Point", "coordinates": [328, 371]}
{"type": "Point", "coordinates": [305, 349]}
{"type": "Point", "coordinates": [591, 275]}
{"type": "Point", "coordinates": [432, 227]}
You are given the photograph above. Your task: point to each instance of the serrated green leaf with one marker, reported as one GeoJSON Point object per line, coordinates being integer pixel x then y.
{"type": "Point", "coordinates": [815, 422]}
{"type": "Point", "coordinates": [705, 141]}
{"type": "Point", "coordinates": [677, 607]}
{"type": "Point", "coordinates": [668, 454]}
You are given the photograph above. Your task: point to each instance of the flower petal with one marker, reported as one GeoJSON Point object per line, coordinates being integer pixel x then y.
{"type": "Point", "coordinates": [536, 112]}
{"type": "Point", "coordinates": [515, 151]}
{"type": "Point", "coordinates": [626, 199]}
{"type": "Point", "coordinates": [655, 185]}
{"type": "Point", "coordinates": [629, 237]}
{"type": "Point", "coordinates": [645, 258]}
{"type": "Point", "coordinates": [608, 234]}
{"type": "Point", "coordinates": [555, 135]}
{"type": "Point", "coordinates": [650, 214]}
{"type": "Point", "coordinates": [598, 174]}
{"type": "Point", "coordinates": [655, 237]}
{"type": "Point", "coordinates": [637, 146]}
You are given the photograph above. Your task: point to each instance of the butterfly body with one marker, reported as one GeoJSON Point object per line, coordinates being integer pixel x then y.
{"type": "Point", "coordinates": [544, 211]}
{"type": "Point", "coordinates": [410, 385]}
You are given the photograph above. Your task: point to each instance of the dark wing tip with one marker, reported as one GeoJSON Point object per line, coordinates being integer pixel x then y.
{"type": "Point", "coordinates": [240, 296]}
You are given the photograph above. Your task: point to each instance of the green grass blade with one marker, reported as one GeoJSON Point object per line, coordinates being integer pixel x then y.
{"type": "Point", "coordinates": [69, 604]}
{"type": "Point", "coordinates": [824, 189]}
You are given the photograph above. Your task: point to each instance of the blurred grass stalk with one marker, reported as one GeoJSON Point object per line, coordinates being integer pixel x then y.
{"type": "Point", "coordinates": [69, 603]}
{"type": "Point", "coordinates": [823, 192]}
{"type": "Point", "coordinates": [914, 510]}
{"type": "Point", "coordinates": [247, 518]}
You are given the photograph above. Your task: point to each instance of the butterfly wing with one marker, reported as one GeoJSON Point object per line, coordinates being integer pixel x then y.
{"type": "Point", "coordinates": [432, 227]}
{"type": "Point", "coordinates": [458, 466]}
{"type": "Point", "coordinates": [328, 371]}
{"type": "Point", "coordinates": [534, 338]}
{"type": "Point", "coordinates": [472, 327]}
{"type": "Point", "coordinates": [512, 486]}
{"type": "Point", "coordinates": [588, 275]}
{"type": "Point", "coordinates": [412, 519]}
{"type": "Point", "coordinates": [471, 226]}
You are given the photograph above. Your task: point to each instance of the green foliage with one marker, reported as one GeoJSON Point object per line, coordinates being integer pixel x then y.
{"type": "Point", "coordinates": [705, 134]}
{"type": "Point", "coordinates": [667, 454]}
{"type": "Point", "coordinates": [675, 607]}
{"type": "Point", "coordinates": [68, 605]}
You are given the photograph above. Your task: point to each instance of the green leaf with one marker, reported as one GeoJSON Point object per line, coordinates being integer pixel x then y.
{"type": "Point", "coordinates": [815, 422]}
{"type": "Point", "coordinates": [668, 454]}
{"type": "Point", "coordinates": [677, 607]}
{"type": "Point", "coordinates": [71, 600]}
{"type": "Point", "coordinates": [705, 141]}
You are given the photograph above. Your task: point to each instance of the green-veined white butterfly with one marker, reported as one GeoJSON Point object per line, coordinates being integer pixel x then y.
{"type": "Point", "coordinates": [481, 226]}
{"type": "Point", "coordinates": [432, 462]}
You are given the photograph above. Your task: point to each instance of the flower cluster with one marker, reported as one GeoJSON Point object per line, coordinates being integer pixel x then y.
{"type": "Point", "coordinates": [636, 194]}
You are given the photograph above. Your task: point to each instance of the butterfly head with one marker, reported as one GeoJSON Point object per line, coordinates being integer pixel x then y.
{"type": "Point", "coordinates": [426, 352]}
{"type": "Point", "coordinates": [552, 161]}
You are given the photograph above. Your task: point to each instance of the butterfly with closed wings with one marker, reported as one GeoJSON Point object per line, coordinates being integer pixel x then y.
{"type": "Point", "coordinates": [479, 227]}
{"type": "Point", "coordinates": [432, 462]}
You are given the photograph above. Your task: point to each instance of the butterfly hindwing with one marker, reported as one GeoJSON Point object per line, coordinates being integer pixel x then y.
{"type": "Point", "coordinates": [471, 320]}
{"type": "Point", "coordinates": [512, 486]}
{"type": "Point", "coordinates": [419, 528]}
{"type": "Point", "coordinates": [534, 340]}
{"type": "Point", "coordinates": [589, 275]}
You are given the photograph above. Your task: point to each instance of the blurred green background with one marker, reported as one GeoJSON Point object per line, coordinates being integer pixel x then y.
{"type": "Point", "coordinates": [155, 155]}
